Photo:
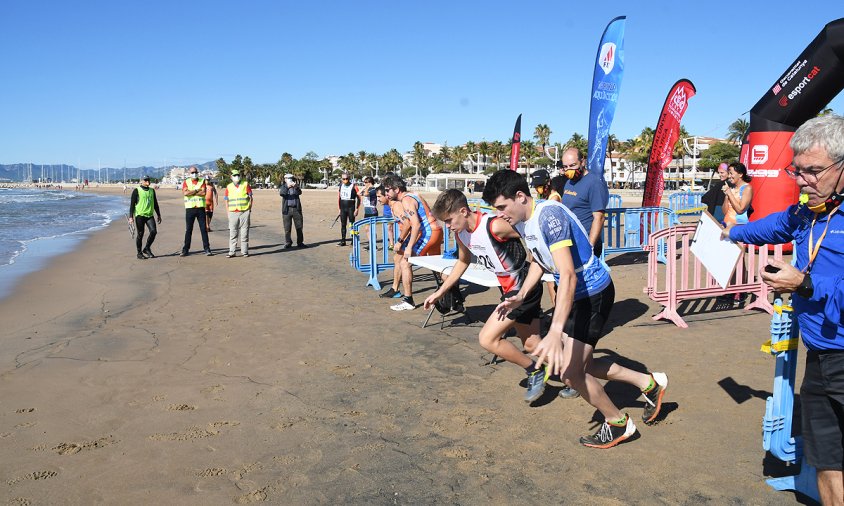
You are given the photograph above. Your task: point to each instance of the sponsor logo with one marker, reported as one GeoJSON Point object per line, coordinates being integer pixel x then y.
{"type": "Point", "coordinates": [759, 154]}
{"type": "Point", "coordinates": [783, 101]}
{"type": "Point", "coordinates": [606, 59]}
{"type": "Point", "coordinates": [804, 82]}
{"type": "Point", "coordinates": [776, 89]}
{"type": "Point", "coordinates": [763, 172]}
{"type": "Point", "coordinates": [677, 104]}
{"type": "Point", "coordinates": [797, 67]}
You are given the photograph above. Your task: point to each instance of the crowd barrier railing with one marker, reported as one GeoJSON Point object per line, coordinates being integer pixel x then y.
{"type": "Point", "coordinates": [779, 407]}
{"type": "Point", "coordinates": [686, 203]}
{"type": "Point", "coordinates": [626, 230]}
{"type": "Point", "coordinates": [615, 201]}
{"type": "Point", "coordinates": [377, 258]}
{"type": "Point", "coordinates": [685, 278]}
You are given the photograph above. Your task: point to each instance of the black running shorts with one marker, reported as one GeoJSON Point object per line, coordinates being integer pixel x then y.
{"type": "Point", "coordinates": [822, 413]}
{"type": "Point", "coordinates": [588, 316]}
{"type": "Point", "coordinates": [531, 308]}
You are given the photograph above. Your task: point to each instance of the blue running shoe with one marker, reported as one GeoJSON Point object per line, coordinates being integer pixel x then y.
{"type": "Point", "coordinates": [535, 385]}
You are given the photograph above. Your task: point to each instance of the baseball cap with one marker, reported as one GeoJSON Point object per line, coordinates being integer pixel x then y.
{"type": "Point", "coordinates": [288, 176]}
{"type": "Point", "coordinates": [235, 173]}
{"type": "Point", "coordinates": [145, 178]}
{"type": "Point", "coordinates": [539, 178]}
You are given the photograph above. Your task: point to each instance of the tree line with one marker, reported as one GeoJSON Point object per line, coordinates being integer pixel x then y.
{"type": "Point", "coordinates": [492, 155]}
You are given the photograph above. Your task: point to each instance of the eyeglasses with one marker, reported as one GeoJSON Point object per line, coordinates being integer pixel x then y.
{"type": "Point", "coordinates": [808, 175]}
{"type": "Point", "coordinates": [571, 166]}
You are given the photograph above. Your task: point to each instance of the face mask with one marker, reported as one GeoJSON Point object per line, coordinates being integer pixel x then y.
{"type": "Point", "coordinates": [570, 173]}
{"type": "Point", "coordinates": [236, 179]}
{"type": "Point", "coordinates": [194, 175]}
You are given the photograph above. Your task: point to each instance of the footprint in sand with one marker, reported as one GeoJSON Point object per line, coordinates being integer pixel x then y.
{"type": "Point", "coordinates": [74, 448]}
{"type": "Point", "coordinates": [25, 410]}
{"type": "Point", "coordinates": [211, 471]}
{"type": "Point", "coordinates": [194, 432]}
{"type": "Point", "coordinates": [259, 495]}
{"type": "Point", "coordinates": [180, 407]}
{"type": "Point", "coordinates": [37, 475]}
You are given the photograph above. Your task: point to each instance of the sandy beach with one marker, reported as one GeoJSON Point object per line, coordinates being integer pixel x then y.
{"type": "Point", "coordinates": [282, 378]}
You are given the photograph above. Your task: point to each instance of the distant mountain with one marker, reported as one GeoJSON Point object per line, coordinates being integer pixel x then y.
{"type": "Point", "coordinates": [17, 172]}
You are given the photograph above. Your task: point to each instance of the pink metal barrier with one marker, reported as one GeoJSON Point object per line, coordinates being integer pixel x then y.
{"type": "Point", "coordinates": [683, 277]}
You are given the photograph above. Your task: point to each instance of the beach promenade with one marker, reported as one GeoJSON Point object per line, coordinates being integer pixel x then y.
{"type": "Point", "coordinates": [282, 378]}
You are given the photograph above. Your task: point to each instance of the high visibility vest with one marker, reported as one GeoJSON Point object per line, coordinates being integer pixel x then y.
{"type": "Point", "coordinates": [195, 200]}
{"type": "Point", "coordinates": [146, 202]}
{"type": "Point", "coordinates": [238, 197]}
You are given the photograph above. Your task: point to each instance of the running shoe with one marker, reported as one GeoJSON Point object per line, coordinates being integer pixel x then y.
{"type": "Point", "coordinates": [610, 435]}
{"type": "Point", "coordinates": [141, 256]}
{"type": "Point", "coordinates": [230, 255]}
{"type": "Point", "coordinates": [535, 385]}
{"type": "Point", "coordinates": [653, 397]}
{"type": "Point", "coordinates": [390, 294]}
{"type": "Point", "coordinates": [148, 253]}
{"type": "Point", "coordinates": [406, 304]}
{"type": "Point", "coordinates": [208, 253]}
{"type": "Point", "coordinates": [569, 393]}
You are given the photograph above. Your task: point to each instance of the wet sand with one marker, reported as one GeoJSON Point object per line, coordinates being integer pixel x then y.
{"type": "Point", "coordinates": [282, 378]}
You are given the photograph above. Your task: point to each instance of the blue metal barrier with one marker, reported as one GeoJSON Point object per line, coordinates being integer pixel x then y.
{"type": "Point", "coordinates": [688, 203]}
{"type": "Point", "coordinates": [626, 230]}
{"type": "Point", "coordinates": [615, 201]}
{"type": "Point", "coordinates": [779, 408]}
{"type": "Point", "coordinates": [378, 256]}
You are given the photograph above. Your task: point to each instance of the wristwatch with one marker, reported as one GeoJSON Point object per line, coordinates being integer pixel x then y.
{"type": "Point", "coordinates": [806, 289]}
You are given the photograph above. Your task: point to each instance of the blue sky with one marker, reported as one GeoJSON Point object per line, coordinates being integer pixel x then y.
{"type": "Point", "coordinates": [174, 82]}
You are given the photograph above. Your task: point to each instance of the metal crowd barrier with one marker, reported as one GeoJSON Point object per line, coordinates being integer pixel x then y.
{"type": "Point", "coordinates": [779, 408]}
{"type": "Point", "coordinates": [686, 278]}
{"type": "Point", "coordinates": [686, 203]}
{"type": "Point", "coordinates": [626, 230]}
{"type": "Point", "coordinates": [377, 258]}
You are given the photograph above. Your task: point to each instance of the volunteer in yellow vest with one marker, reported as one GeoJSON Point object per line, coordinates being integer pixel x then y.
{"type": "Point", "coordinates": [194, 191]}
{"type": "Point", "coordinates": [238, 199]}
{"type": "Point", "coordinates": [142, 204]}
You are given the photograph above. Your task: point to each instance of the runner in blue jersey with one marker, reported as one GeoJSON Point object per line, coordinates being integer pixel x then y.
{"type": "Point", "coordinates": [585, 295]}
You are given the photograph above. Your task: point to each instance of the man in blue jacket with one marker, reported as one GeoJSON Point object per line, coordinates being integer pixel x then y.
{"type": "Point", "coordinates": [817, 282]}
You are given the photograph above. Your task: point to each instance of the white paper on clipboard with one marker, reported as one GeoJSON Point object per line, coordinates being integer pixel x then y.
{"type": "Point", "coordinates": [719, 256]}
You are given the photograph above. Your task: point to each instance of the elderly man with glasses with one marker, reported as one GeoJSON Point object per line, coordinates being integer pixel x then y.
{"type": "Point", "coordinates": [816, 225]}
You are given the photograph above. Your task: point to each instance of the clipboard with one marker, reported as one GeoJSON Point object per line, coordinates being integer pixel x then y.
{"type": "Point", "coordinates": [719, 256]}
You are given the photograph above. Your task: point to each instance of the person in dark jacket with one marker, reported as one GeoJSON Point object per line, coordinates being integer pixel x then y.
{"type": "Point", "coordinates": [291, 211]}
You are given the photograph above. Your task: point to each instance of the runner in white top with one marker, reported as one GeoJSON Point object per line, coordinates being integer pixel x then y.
{"type": "Point", "coordinates": [497, 248]}
{"type": "Point", "coordinates": [585, 295]}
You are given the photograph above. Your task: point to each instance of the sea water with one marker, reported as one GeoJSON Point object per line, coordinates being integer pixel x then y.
{"type": "Point", "coordinates": [36, 225]}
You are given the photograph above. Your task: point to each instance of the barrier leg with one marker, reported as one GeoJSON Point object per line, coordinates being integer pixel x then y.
{"type": "Point", "coordinates": [373, 260]}
{"type": "Point", "coordinates": [806, 482]}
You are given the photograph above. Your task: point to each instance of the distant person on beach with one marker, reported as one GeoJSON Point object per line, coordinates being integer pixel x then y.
{"type": "Point", "coordinates": [816, 225]}
{"type": "Point", "coordinates": [539, 181]}
{"type": "Point", "coordinates": [194, 191]}
{"type": "Point", "coordinates": [558, 185]}
{"type": "Point", "coordinates": [425, 235]}
{"type": "Point", "coordinates": [238, 198]}
{"type": "Point", "coordinates": [291, 211]}
{"type": "Point", "coordinates": [587, 196]}
{"type": "Point", "coordinates": [714, 196]}
{"type": "Point", "coordinates": [585, 296]}
{"type": "Point", "coordinates": [498, 248]}
{"type": "Point", "coordinates": [369, 198]}
{"type": "Point", "coordinates": [348, 204]}
{"type": "Point", "coordinates": [210, 201]}
{"type": "Point", "coordinates": [142, 204]}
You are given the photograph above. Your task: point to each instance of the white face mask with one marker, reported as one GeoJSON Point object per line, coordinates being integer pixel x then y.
{"type": "Point", "coordinates": [235, 179]}
{"type": "Point", "coordinates": [194, 175]}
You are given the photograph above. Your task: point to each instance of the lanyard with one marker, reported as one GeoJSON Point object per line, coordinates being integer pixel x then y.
{"type": "Point", "coordinates": [814, 248]}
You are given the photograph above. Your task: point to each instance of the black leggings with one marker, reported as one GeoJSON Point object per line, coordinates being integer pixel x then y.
{"type": "Point", "coordinates": [347, 215]}
{"type": "Point", "coordinates": [140, 221]}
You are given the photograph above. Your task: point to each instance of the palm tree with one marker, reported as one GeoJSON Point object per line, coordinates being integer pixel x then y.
{"type": "Point", "coordinates": [497, 151]}
{"type": "Point", "coordinates": [542, 133]}
{"type": "Point", "coordinates": [483, 150]}
{"type": "Point", "coordinates": [736, 130]}
{"type": "Point", "coordinates": [391, 161]}
{"type": "Point", "coordinates": [578, 142]}
{"type": "Point", "coordinates": [458, 156]}
{"type": "Point", "coordinates": [528, 151]}
{"type": "Point", "coordinates": [419, 157]}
